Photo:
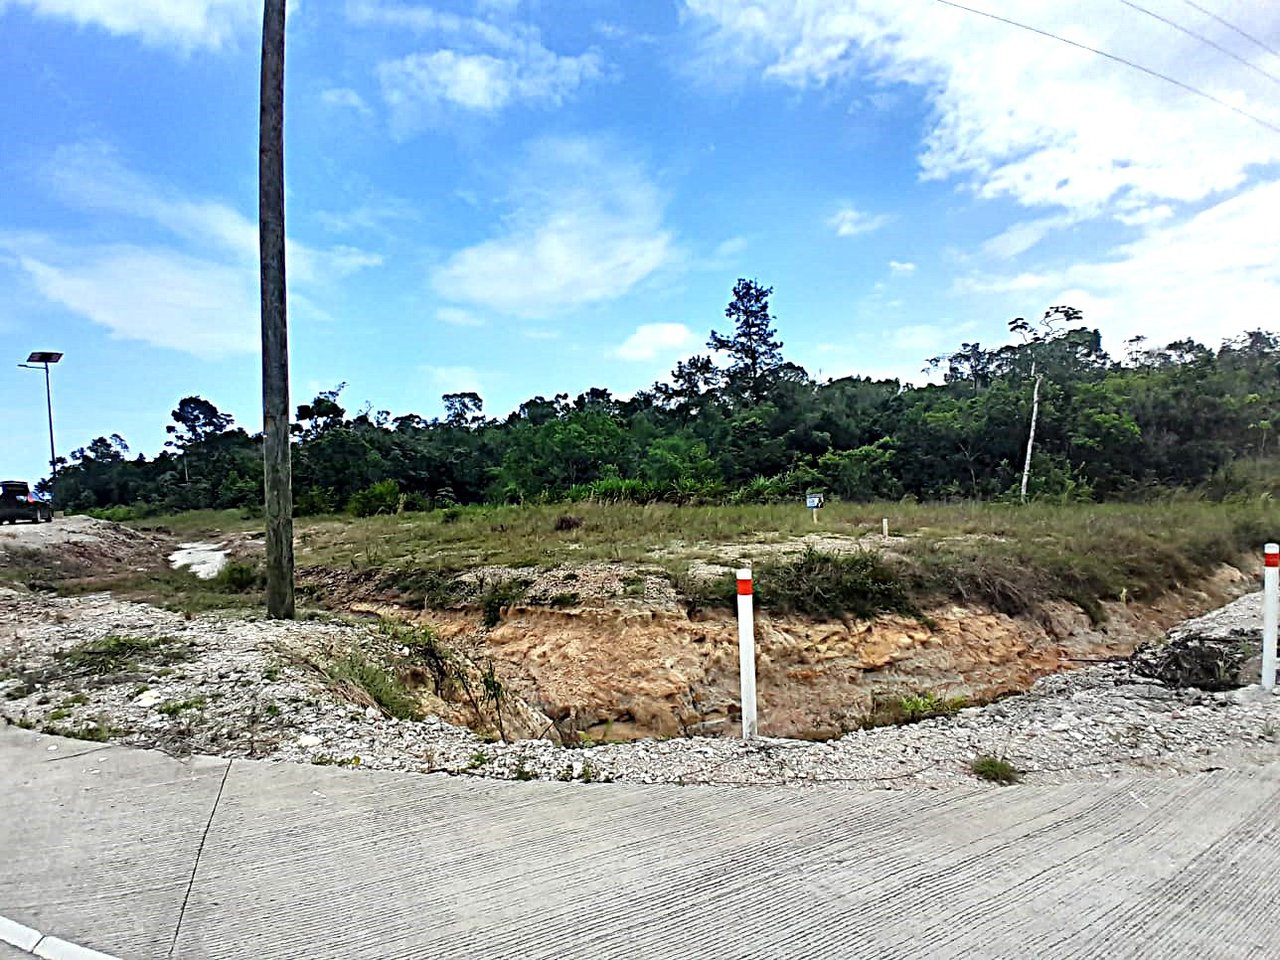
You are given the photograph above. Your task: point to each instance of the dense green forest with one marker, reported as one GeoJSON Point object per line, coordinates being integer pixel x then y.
{"type": "Point", "coordinates": [746, 425]}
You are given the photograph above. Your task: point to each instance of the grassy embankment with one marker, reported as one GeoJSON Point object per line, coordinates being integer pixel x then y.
{"type": "Point", "coordinates": [1007, 557]}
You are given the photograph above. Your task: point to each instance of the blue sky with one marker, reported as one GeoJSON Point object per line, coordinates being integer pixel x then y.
{"type": "Point", "coordinates": [521, 197]}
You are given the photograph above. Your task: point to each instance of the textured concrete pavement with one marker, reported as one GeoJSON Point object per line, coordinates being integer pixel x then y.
{"type": "Point", "coordinates": [99, 846]}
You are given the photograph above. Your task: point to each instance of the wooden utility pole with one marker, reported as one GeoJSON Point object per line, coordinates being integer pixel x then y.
{"type": "Point", "coordinates": [278, 472]}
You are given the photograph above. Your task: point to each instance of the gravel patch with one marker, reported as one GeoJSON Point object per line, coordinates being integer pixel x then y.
{"type": "Point", "coordinates": [245, 687]}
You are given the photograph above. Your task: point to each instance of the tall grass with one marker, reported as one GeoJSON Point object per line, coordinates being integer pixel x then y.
{"type": "Point", "coordinates": [1009, 557]}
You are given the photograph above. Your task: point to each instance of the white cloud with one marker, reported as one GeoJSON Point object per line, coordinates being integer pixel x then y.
{"type": "Point", "coordinates": [374, 216]}
{"type": "Point", "coordinates": [185, 25]}
{"type": "Point", "coordinates": [1021, 236]}
{"type": "Point", "coordinates": [901, 267]}
{"type": "Point", "coordinates": [478, 81]}
{"type": "Point", "coordinates": [1018, 115]}
{"type": "Point", "coordinates": [204, 300]}
{"type": "Point", "coordinates": [653, 340]}
{"type": "Point", "coordinates": [165, 298]}
{"type": "Point", "coordinates": [455, 379]}
{"type": "Point", "coordinates": [1014, 284]}
{"type": "Point", "coordinates": [1209, 277]}
{"type": "Point", "coordinates": [479, 65]}
{"type": "Point", "coordinates": [456, 317]}
{"type": "Point", "coordinates": [731, 247]}
{"type": "Point", "coordinates": [1146, 215]}
{"type": "Point", "coordinates": [586, 226]}
{"type": "Point", "coordinates": [346, 98]}
{"type": "Point", "coordinates": [849, 221]}
{"type": "Point", "coordinates": [91, 177]}
{"type": "Point", "coordinates": [538, 334]}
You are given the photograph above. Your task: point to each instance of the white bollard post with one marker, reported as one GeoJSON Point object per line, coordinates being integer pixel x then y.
{"type": "Point", "coordinates": [884, 527]}
{"type": "Point", "coordinates": [1270, 612]}
{"type": "Point", "coordinates": [747, 653]}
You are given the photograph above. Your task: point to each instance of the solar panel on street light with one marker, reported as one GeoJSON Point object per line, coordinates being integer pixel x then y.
{"type": "Point", "coordinates": [44, 356]}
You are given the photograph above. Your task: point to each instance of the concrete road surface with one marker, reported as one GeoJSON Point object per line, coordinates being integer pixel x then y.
{"type": "Point", "coordinates": [139, 855]}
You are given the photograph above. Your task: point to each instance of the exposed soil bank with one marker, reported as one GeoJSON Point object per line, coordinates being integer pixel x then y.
{"type": "Point", "coordinates": [103, 669]}
{"type": "Point", "coordinates": [627, 672]}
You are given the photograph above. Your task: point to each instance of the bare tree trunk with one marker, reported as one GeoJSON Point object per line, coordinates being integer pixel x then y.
{"type": "Point", "coordinates": [1031, 438]}
{"type": "Point", "coordinates": [277, 472]}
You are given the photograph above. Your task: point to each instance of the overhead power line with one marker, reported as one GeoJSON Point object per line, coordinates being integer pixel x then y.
{"type": "Point", "coordinates": [1203, 39]}
{"type": "Point", "coordinates": [1119, 59]}
{"type": "Point", "coordinates": [1231, 26]}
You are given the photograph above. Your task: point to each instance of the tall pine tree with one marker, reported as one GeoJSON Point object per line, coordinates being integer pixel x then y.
{"type": "Point", "coordinates": [753, 348]}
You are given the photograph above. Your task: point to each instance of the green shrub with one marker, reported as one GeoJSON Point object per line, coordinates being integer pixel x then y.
{"type": "Point", "coordinates": [499, 594]}
{"type": "Point", "coordinates": [614, 490]}
{"type": "Point", "coordinates": [759, 490]}
{"type": "Point", "coordinates": [821, 584]}
{"type": "Point", "coordinates": [314, 501]}
{"type": "Point", "coordinates": [237, 576]}
{"type": "Point", "coordinates": [702, 593]}
{"type": "Point", "coordinates": [426, 587]}
{"type": "Point", "coordinates": [382, 497]}
{"type": "Point", "coordinates": [120, 514]}
{"type": "Point", "coordinates": [414, 502]}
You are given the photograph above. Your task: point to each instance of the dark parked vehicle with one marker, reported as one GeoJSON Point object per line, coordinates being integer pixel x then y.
{"type": "Point", "coordinates": [17, 502]}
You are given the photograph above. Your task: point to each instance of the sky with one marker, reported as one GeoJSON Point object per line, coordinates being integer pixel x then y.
{"type": "Point", "coordinates": [526, 197]}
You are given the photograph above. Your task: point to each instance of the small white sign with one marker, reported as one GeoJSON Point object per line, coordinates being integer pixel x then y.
{"type": "Point", "coordinates": [813, 501]}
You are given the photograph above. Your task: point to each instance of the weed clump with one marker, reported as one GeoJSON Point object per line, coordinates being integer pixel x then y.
{"type": "Point", "coordinates": [923, 706]}
{"type": "Point", "coordinates": [424, 646]}
{"type": "Point", "coordinates": [897, 710]}
{"type": "Point", "coordinates": [175, 707]}
{"type": "Point", "coordinates": [118, 652]}
{"type": "Point", "coordinates": [362, 680]}
{"type": "Point", "coordinates": [96, 732]}
{"type": "Point", "coordinates": [995, 769]}
{"type": "Point", "coordinates": [328, 760]}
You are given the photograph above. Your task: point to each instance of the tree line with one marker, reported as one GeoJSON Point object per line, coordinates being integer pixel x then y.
{"type": "Point", "coordinates": [746, 425]}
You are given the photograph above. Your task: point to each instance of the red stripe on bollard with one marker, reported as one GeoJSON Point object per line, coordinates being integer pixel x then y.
{"type": "Point", "coordinates": [744, 588]}
{"type": "Point", "coordinates": [1269, 559]}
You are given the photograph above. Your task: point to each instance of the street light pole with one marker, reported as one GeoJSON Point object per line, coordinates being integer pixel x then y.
{"type": "Point", "coordinates": [42, 358]}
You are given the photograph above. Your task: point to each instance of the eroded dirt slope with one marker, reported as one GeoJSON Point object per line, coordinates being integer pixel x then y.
{"type": "Point", "coordinates": [624, 671]}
